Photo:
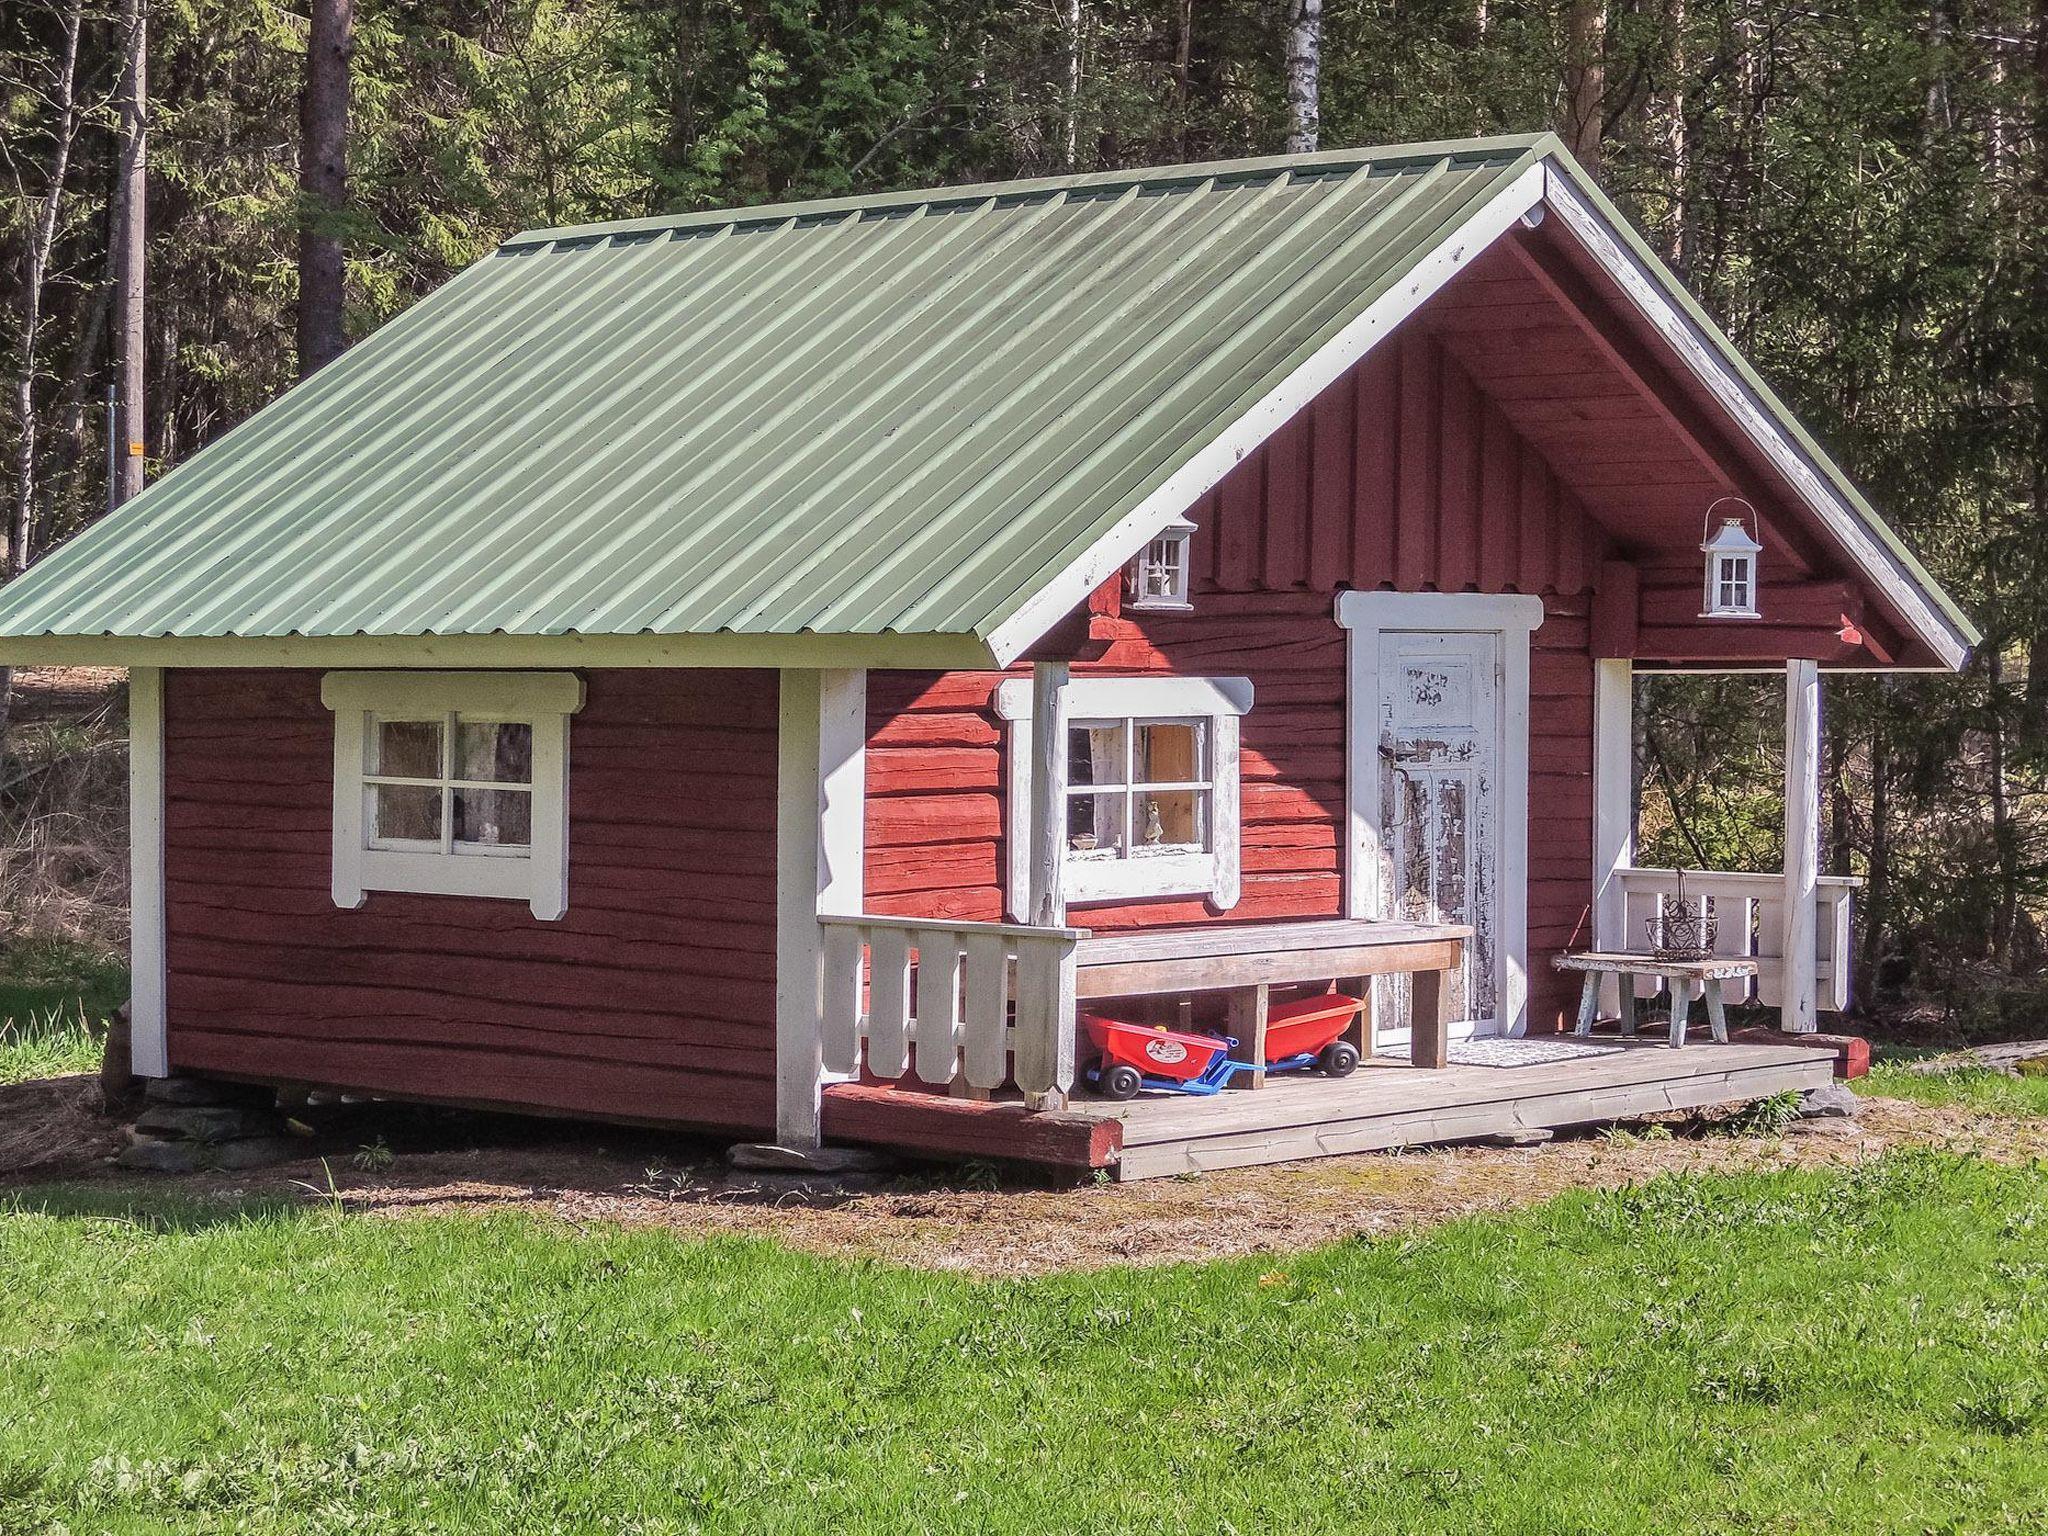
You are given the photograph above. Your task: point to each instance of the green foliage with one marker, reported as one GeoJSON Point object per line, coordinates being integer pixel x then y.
{"type": "Point", "coordinates": [1979, 1088]}
{"type": "Point", "coordinates": [1850, 1351]}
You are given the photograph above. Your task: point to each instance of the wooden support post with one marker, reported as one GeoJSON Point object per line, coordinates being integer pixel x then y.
{"type": "Point", "coordinates": [149, 1052]}
{"type": "Point", "coordinates": [1800, 982]}
{"type": "Point", "coordinates": [820, 792]}
{"type": "Point", "coordinates": [1247, 1025]}
{"type": "Point", "coordinates": [1614, 804]}
{"type": "Point", "coordinates": [1429, 1032]}
{"type": "Point", "coordinates": [1045, 886]}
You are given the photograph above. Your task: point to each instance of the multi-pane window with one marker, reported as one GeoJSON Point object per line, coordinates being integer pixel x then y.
{"type": "Point", "coordinates": [1138, 788]}
{"type": "Point", "coordinates": [452, 783]}
{"type": "Point", "coordinates": [1149, 791]}
{"type": "Point", "coordinates": [449, 784]}
{"type": "Point", "coordinates": [1159, 576]}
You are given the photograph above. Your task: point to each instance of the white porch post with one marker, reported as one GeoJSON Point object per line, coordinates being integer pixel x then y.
{"type": "Point", "coordinates": [1047, 835]}
{"type": "Point", "coordinates": [819, 850]}
{"type": "Point", "coordinates": [1614, 808]}
{"type": "Point", "coordinates": [148, 1048]}
{"type": "Point", "coordinates": [1614, 819]}
{"type": "Point", "coordinates": [1798, 1004]}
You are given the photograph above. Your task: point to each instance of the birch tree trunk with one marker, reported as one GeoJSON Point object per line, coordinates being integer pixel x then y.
{"type": "Point", "coordinates": [1070, 19]}
{"type": "Point", "coordinates": [323, 184]}
{"type": "Point", "coordinates": [1304, 75]}
{"type": "Point", "coordinates": [1585, 79]}
{"type": "Point", "coordinates": [36, 267]}
{"type": "Point", "coordinates": [129, 250]}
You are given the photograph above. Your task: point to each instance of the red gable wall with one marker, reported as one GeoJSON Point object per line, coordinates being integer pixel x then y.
{"type": "Point", "coordinates": [1401, 475]}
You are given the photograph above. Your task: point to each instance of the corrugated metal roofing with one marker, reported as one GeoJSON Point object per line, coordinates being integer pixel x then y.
{"type": "Point", "coordinates": [887, 414]}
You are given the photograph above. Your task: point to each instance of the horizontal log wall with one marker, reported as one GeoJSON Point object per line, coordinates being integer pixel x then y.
{"type": "Point", "coordinates": [1402, 475]}
{"type": "Point", "coordinates": [653, 998]}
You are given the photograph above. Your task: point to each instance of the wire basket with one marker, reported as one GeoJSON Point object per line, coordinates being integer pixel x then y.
{"type": "Point", "coordinates": [1685, 927]}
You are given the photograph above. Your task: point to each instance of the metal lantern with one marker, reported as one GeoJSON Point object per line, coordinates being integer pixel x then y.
{"type": "Point", "coordinates": [1731, 552]}
{"type": "Point", "coordinates": [1685, 927]}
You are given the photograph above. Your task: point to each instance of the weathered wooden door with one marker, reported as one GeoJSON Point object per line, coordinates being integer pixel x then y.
{"type": "Point", "coordinates": [1440, 762]}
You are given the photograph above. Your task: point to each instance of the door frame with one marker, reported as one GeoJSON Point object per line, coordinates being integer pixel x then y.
{"type": "Point", "coordinates": [1365, 616]}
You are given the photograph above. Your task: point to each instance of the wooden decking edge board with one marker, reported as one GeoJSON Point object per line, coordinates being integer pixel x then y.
{"type": "Point", "coordinates": [1282, 1106]}
{"type": "Point", "coordinates": [1412, 1128]}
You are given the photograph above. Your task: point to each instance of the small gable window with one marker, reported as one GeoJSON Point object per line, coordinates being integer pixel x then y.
{"type": "Point", "coordinates": [452, 783]}
{"type": "Point", "coordinates": [1151, 787]}
{"type": "Point", "coordinates": [1731, 552]}
{"type": "Point", "coordinates": [1159, 576]}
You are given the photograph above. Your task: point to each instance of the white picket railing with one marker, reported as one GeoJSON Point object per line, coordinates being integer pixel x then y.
{"type": "Point", "coordinates": [979, 1004]}
{"type": "Point", "coordinates": [1748, 909]}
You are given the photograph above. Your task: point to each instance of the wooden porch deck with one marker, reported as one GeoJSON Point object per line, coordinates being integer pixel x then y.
{"type": "Point", "coordinates": [1385, 1104]}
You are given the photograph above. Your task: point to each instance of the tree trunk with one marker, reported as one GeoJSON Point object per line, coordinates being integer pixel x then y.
{"type": "Point", "coordinates": [323, 183]}
{"type": "Point", "coordinates": [2004, 844]}
{"type": "Point", "coordinates": [1667, 113]}
{"type": "Point", "coordinates": [36, 265]}
{"type": "Point", "coordinates": [1304, 75]}
{"type": "Point", "coordinates": [1585, 79]}
{"type": "Point", "coordinates": [1070, 20]}
{"type": "Point", "coordinates": [129, 249]}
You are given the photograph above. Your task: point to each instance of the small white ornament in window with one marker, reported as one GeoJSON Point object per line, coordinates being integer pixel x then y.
{"type": "Point", "coordinates": [1159, 576]}
{"type": "Point", "coordinates": [1731, 575]}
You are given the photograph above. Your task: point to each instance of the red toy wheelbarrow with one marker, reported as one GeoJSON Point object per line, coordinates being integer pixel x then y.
{"type": "Point", "coordinates": [1308, 1033]}
{"type": "Point", "coordinates": [1138, 1056]}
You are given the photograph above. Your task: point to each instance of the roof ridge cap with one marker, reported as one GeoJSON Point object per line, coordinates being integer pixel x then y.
{"type": "Point", "coordinates": [1359, 156]}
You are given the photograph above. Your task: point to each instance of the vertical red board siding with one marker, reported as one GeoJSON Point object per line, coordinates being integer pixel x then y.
{"type": "Point", "coordinates": [1401, 474]}
{"type": "Point", "coordinates": [651, 999]}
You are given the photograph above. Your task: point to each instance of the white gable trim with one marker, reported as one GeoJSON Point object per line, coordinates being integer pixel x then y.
{"type": "Point", "coordinates": [1066, 591]}
{"type": "Point", "coordinates": [1705, 357]}
{"type": "Point", "coordinates": [1547, 184]}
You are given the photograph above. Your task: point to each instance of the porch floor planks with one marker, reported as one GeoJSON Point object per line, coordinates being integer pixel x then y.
{"type": "Point", "coordinates": [1389, 1104]}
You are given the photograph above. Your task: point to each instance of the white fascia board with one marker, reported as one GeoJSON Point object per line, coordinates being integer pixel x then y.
{"type": "Point", "coordinates": [938, 653]}
{"type": "Point", "coordinates": [1187, 485]}
{"type": "Point", "coordinates": [1705, 355]}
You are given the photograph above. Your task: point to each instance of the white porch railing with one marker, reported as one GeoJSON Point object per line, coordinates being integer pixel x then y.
{"type": "Point", "coordinates": [973, 1004]}
{"type": "Point", "coordinates": [1748, 908]}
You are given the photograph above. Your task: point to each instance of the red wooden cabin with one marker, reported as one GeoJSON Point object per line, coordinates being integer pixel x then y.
{"type": "Point", "coordinates": [593, 692]}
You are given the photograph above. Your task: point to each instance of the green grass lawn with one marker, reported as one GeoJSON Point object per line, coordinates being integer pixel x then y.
{"type": "Point", "coordinates": [1979, 1088]}
{"type": "Point", "coordinates": [54, 1004]}
{"type": "Point", "coordinates": [1840, 1352]}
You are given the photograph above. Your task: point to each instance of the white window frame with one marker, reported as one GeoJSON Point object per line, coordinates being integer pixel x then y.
{"type": "Point", "coordinates": [1171, 549]}
{"type": "Point", "coordinates": [544, 701]}
{"type": "Point", "coordinates": [1217, 703]}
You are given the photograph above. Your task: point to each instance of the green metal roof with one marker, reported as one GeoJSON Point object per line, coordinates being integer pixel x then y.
{"type": "Point", "coordinates": [922, 414]}
{"type": "Point", "coordinates": [885, 414]}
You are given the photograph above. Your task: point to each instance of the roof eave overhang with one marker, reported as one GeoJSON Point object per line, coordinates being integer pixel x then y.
{"type": "Point", "coordinates": [1552, 182]}
{"type": "Point", "coordinates": [915, 652]}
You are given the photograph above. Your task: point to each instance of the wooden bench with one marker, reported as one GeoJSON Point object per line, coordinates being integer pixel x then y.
{"type": "Point", "coordinates": [1246, 960]}
{"type": "Point", "coordinates": [1706, 974]}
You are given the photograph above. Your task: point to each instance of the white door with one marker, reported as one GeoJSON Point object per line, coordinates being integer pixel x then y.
{"type": "Point", "coordinates": [1439, 742]}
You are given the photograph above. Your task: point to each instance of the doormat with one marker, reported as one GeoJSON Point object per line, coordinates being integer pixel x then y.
{"type": "Point", "coordinates": [1496, 1052]}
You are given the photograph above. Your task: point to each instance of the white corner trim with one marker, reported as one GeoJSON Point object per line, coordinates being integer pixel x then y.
{"type": "Point", "coordinates": [1462, 611]}
{"type": "Point", "coordinates": [1108, 554]}
{"type": "Point", "coordinates": [1216, 874]}
{"type": "Point", "coordinates": [148, 955]}
{"type": "Point", "coordinates": [1702, 356]}
{"type": "Point", "coordinates": [542, 700]}
{"type": "Point", "coordinates": [1365, 616]}
{"type": "Point", "coordinates": [1087, 697]}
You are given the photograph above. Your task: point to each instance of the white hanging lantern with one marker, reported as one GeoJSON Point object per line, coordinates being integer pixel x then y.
{"type": "Point", "coordinates": [1731, 574]}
